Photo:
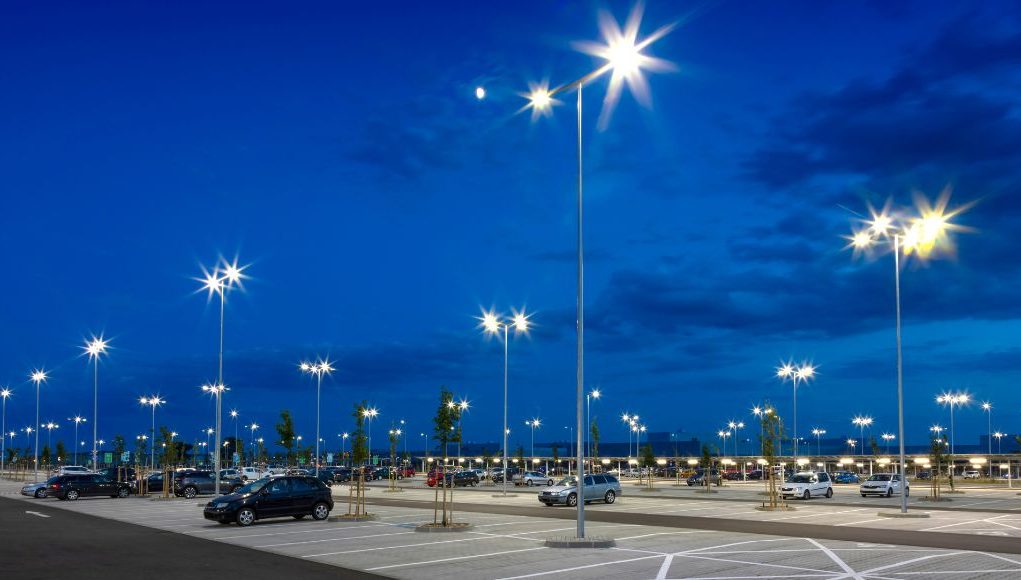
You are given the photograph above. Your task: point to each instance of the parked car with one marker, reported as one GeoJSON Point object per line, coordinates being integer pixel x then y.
{"type": "Point", "coordinates": [462, 478]}
{"type": "Point", "coordinates": [295, 496]}
{"type": "Point", "coordinates": [387, 473]}
{"type": "Point", "coordinates": [229, 472]}
{"type": "Point", "coordinates": [497, 474]}
{"type": "Point", "coordinates": [732, 475]}
{"type": "Point", "coordinates": [342, 474]}
{"type": "Point", "coordinates": [71, 470]}
{"type": "Point", "coordinates": [531, 478]}
{"type": "Point", "coordinates": [972, 474]}
{"type": "Point", "coordinates": [845, 477]}
{"type": "Point", "coordinates": [806, 484]}
{"type": "Point", "coordinates": [923, 475]}
{"type": "Point", "coordinates": [250, 473]}
{"type": "Point", "coordinates": [604, 487]}
{"type": "Point", "coordinates": [71, 487]}
{"type": "Point", "coordinates": [408, 472]}
{"type": "Point", "coordinates": [37, 489]}
{"type": "Point", "coordinates": [883, 484]}
{"type": "Point", "coordinates": [697, 478]}
{"type": "Point", "coordinates": [755, 474]}
{"type": "Point", "coordinates": [433, 478]}
{"type": "Point", "coordinates": [192, 483]}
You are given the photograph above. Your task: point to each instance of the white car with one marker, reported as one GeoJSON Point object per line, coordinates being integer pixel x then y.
{"type": "Point", "coordinates": [886, 484]}
{"type": "Point", "coordinates": [972, 474]}
{"type": "Point", "coordinates": [806, 484]}
{"type": "Point", "coordinates": [71, 470]}
{"type": "Point", "coordinates": [250, 473]}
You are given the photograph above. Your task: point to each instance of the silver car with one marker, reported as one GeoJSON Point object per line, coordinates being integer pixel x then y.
{"type": "Point", "coordinates": [531, 478]}
{"type": "Point", "coordinates": [37, 489]}
{"type": "Point", "coordinates": [601, 487]}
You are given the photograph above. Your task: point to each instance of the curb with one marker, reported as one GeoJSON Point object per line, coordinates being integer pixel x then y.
{"type": "Point", "coordinates": [566, 542]}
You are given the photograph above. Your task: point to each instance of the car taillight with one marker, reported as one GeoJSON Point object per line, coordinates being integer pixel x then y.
{"type": "Point", "coordinates": [55, 486]}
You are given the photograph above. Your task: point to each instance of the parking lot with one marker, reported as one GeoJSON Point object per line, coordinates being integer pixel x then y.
{"type": "Point", "coordinates": [511, 546]}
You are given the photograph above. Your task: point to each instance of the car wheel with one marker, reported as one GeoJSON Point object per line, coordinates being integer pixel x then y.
{"type": "Point", "coordinates": [320, 511]}
{"type": "Point", "coordinates": [529, 483]}
{"type": "Point", "coordinates": [610, 497]}
{"type": "Point", "coordinates": [245, 517]}
{"type": "Point", "coordinates": [190, 492]}
{"type": "Point", "coordinates": [549, 482]}
{"type": "Point", "coordinates": [889, 492]}
{"type": "Point", "coordinates": [40, 493]}
{"type": "Point", "coordinates": [907, 492]}
{"type": "Point", "coordinates": [572, 500]}
{"type": "Point", "coordinates": [829, 492]}
{"type": "Point", "coordinates": [863, 495]}
{"type": "Point", "coordinates": [299, 516]}
{"type": "Point", "coordinates": [71, 495]}
{"type": "Point", "coordinates": [806, 495]}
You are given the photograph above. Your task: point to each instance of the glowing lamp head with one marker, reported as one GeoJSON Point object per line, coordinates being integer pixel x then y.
{"type": "Point", "coordinates": [624, 57]}
{"type": "Point", "coordinates": [480, 93]}
{"type": "Point", "coordinates": [233, 414]}
{"type": "Point", "coordinates": [96, 347]}
{"type": "Point", "coordinates": [39, 376]}
{"type": "Point", "coordinates": [785, 371]}
{"type": "Point", "coordinates": [490, 322]}
{"type": "Point", "coordinates": [540, 99]}
{"type": "Point", "coordinates": [4, 393]}
{"type": "Point", "coordinates": [986, 406]}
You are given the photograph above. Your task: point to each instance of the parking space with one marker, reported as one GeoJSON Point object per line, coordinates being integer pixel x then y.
{"type": "Point", "coordinates": [502, 546]}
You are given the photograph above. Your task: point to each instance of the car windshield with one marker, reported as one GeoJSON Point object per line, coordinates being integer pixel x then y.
{"type": "Point", "coordinates": [252, 487]}
{"type": "Point", "coordinates": [800, 478]}
{"type": "Point", "coordinates": [880, 477]}
{"type": "Point", "coordinates": [568, 481]}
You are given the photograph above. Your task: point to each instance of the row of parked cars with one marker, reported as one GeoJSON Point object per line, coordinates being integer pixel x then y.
{"type": "Point", "coordinates": [809, 484]}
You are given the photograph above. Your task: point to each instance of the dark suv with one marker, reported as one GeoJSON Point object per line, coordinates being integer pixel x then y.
{"type": "Point", "coordinates": [71, 487]}
{"type": "Point", "coordinates": [191, 483]}
{"type": "Point", "coordinates": [462, 478]}
{"type": "Point", "coordinates": [295, 496]}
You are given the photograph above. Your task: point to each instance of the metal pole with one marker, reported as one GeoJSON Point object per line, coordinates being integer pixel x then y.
{"type": "Point", "coordinates": [795, 417]}
{"type": "Point", "coordinates": [95, 412]}
{"type": "Point", "coordinates": [35, 472]}
{"type": "Point", "coordinates": [900, 375]}
{"type": "Point", "coordinates": [219, 396]}
{"type": "Point", "coordinates": [319, 385]}
{"type": "Point", "coordinates": [506, 350]}
{"type": "Point", "coordinates": [152, 452]}
{"type": "Point", "coordinates": [581, 331]}
{"type": "Point", "coordinates": [3, 438]}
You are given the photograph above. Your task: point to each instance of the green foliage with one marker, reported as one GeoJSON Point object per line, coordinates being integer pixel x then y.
{"type": "Point", "coordinates": [394, 438]}
{"type": "Point", "coordinates": [594, 427]}
{"type": "Point", "coordinates": [119, 446]}
{"type": "Point", "coordinates": [62, 453]}
{"type": "Point", "coordinates": [44, 455]}
{"type": "Point", "coordinates": [359, 441]}
{"type": "Point", "coordinates": [556, 453]}
{"type": "Point", "coordinates": [772, 432]}
{"type": "Point", "coordinates": [648, 458]}
{"type": "Point", "coordinates": [874, 446]}
{"type": "Point", "coordinates": [167, 456]}
{"type": "Point", "coordinates": [447, 415]}
{"type": "Point", "coordinates": [520, 454]}
{"type": "Point", "coordinates": [285, 430]}
{"type": "Point", "coordinates": [707, 456]}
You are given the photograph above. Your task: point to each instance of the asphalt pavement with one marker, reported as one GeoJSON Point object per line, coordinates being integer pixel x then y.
{"type": "Point", "coordinates": [38, 541]}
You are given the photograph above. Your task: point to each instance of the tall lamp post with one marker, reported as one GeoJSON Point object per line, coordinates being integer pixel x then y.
{"type": "Point", "coordinates": [38, 377]}
{"type": "Point", "coordinates": [888, 437]}
{"type": "Point", "coordinates": [217, 390]}
{"type": "Point", "coordinates": [370, 414]}
{"type": "Point", "coordinates": [759, 412]}
{"type": "Point", "coordinates": [95, 348]}
{"type": "Point", "coordinates": [459, 409]}
{"type": "Point", "coordinates": [629, 422]}
{"type": "Point", "coordinates": [795, 373]}
{"type": "Point", "coordinates": [78, 420]}
{"type": "Point", "coordinates": [5, 393]}
{"type": "Point", "coordinates": [238, 450]}
{"type": "Point", "coordinates": [818, 444]}
{"type": "Point", "coordinates": [225, 276]}
{"type": "Point", "coordinates": [343, 446]}
{"type": "Point", "coordinates": [922, 235]}
{"type": "Point", "coordinates": [251, 437]}
{"type": "Point", "coordinates": [988, 408]}
{"type": "Point", "coordinates": [533, 423]}
{"type": "Point", "coordinates": [862, 422]}
{"type": "Point", "coordinates": [153, 401]}
{"type": "Point", "coordinates": [952, 400]}
{"type": "Point", "coordinates": [493, 324]}
{"type": "Point", "coordinates": [625, 61]}
{"type": "Point", "coordinates": [317, 369]}
{"type": "Point", "coordinates": [593, 394]}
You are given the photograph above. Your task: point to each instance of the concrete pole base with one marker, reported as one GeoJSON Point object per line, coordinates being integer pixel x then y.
{"type": "Point", "coordinates": [902, 514]}
{"type": "Point", "coordinates": [570, 542]}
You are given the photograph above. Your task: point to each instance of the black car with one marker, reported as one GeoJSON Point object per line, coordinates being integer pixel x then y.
{"type": "Point", "coordinates": [295, 496]}
{"type": "Point", "coordinates": [462, 478]}
{"type": "Point", "coordinates": [71, 487]}
{"type": "Point", "coordinates": [191, 483]}
{"type": "Point", "coordinates": [342, 474]}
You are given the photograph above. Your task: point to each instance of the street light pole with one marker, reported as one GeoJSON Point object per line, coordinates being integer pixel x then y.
{"type": "Point", "coordinates": [95, 348]}
{"type": "Point", "coordinates": [493, 323]}
{"type": "Point", "coordinates": [4, 393]}
{"type": "Point", "coordinates": [38, 376]}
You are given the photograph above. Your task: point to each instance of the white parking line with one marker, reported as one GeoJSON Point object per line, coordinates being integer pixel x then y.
{"type": "Point", "coordinates": [331, 540]}
{"type": "Point", "coordinates": [453, 559]}
{"type": "Point", "coordinates": [37, 514]}
{"type": "Point", "coordinates": [564, 570]}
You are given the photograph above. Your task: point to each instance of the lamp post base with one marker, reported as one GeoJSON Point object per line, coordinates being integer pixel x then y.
{"type": "Point", "coordinates": [571, 542]}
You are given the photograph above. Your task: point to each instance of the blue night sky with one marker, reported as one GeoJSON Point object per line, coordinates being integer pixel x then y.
{"type": "Point", "coordinates": [338, 149]}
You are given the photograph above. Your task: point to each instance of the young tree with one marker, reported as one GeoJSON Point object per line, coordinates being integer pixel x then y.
{"type": "Point", "coordinates": [595, 439]}
{"type": "Point", "coordinates": [44, 456]}
{"type": "Point", "coordinates": [447, 415]}
{"type": "Point", "coordinates": [938, 458]}
{"type": "Point", "coordinates": [166, 447]}
{"type": "Point", "coordinates": [772, 432]}
{"type": "Point", "coordinates": [61, 452]}
{"type": "Point", "coordinates": [520, 454]}
{"type": "Point", "coordinates": [359, 442]}
{"type": "Point", "coordinates": [285, 429]}
{"type": "Point", "coordinates": [874, 446]}
{"type": "Point", "coordinates": [119, 446]}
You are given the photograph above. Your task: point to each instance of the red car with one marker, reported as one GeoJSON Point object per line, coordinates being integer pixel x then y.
{"type": "Point", "coordinates": [433, 478]}
{"type": "Point", "coordinates": [408, 472]}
